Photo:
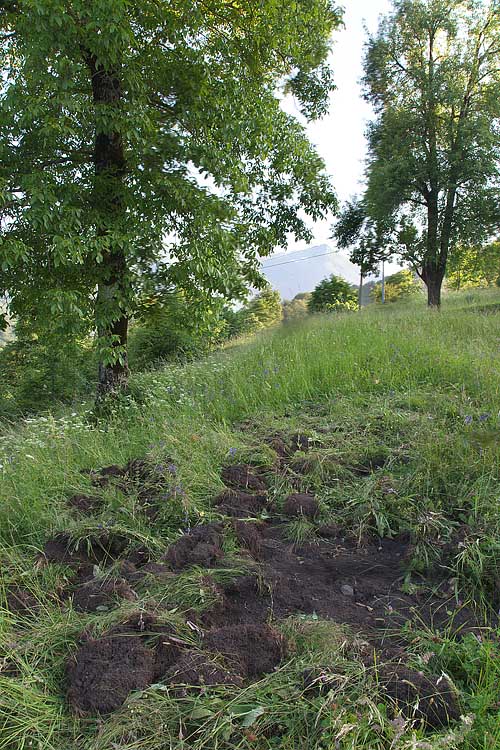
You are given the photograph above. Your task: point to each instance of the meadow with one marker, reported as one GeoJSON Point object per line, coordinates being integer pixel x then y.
{"type": "Point", "coordinates": [389, 422]}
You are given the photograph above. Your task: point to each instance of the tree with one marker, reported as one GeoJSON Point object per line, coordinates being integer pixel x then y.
{"type": "Point", "coordinates": [432, 75]}
{"type": "Point", "coordinates": [474, 266]}
{"type": "Point", "coordinates": [265, 308]}
{"type": "Point", "coordinates": [369, 242]}
{"type": "Point", "coordinates": [400, 286]}
{"type": "Point", "coordinates": [144, 141]}
{"type": "Point", "coordinates": [333, 294]}
{"type": "Point", "coordinates": [296, 308]}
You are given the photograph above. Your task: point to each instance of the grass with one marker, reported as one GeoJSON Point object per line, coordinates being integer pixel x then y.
{"type": "Point", "coordinates": [416, 391]}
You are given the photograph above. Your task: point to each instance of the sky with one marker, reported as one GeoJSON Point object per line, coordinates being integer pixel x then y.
{"type": "Point", "coordinates": [339, 136]}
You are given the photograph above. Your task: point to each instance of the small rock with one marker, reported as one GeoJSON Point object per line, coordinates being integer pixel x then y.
{"type": "Point", "coordinates": [347, 590]}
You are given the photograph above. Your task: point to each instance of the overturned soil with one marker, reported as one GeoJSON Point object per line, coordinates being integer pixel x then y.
{"type": "Point", "coordinates": [243, 477]}
{"type": "Point", "coordinates": [104, 547]}
{"type": "Point", "coordinates": [85, 505]}
{"type": "Point", "coordinates": [301, 504]}
{"type": "Point", "coordinates": [334, 579]}
{"type": "Point", "coordinates": [331, 577]}
{"type": "Point", "coordinates": [201, 546]}
{"type": "Point", "coordinates": [195, 669]}
{"type": "Point", "coordinates": [105, 671]}
{"type": "Point", "coordinates": [103, 595]}
{"type": "Point", "coordinates": [240, 504]}
{"type": "Point", "coordinates": [427, 698]}
{"type": "Point", "coordinates": [252, 650]}
{"type": "Point", "coordinates": [21, 602]}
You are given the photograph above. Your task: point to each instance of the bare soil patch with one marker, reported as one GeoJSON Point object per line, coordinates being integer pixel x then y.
{"type": "Point", "coordinates": [301, 504]}
{"type": "Point", "coordinates": [240, 504]}
{"type": "Point", "coordinates": [252, 650]}
{"type": "Point", "coordinates": [243, 477]}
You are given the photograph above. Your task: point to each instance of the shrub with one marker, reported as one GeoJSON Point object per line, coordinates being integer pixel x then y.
{"type": "Point", "coordinates": [333, 294]}
{"type": "Point", "coordinates": [400, 286]}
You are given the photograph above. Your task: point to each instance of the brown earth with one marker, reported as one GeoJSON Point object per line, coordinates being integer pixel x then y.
{"type": "Point", "coordinates": [427, 698]}
{"type": "Point", "coordinates": [243, 477]}
{"type": "Point", "coordinates": [301, 504]}
{"type": "Point", "coordinates": [105, 671]}
{"type": "Point", "coordinates": [101, 595]}
{"type": "Point", "coordinates": [331, 577]}
{"type": "Point", "coordinates": [201, 546]}
{"type": "Point", "coordinates": [241, 504]}
{"type": "Point", "coordinates": [85, 505]}
{"type": "Point", "coordinates": [20, 601]}
{"type": "Point", "coordinates": [252, 650]}
{"type": "Point", "coordinates": [194, 669]}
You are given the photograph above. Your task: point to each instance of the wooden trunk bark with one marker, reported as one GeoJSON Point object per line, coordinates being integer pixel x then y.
{"type": "Point", "coordinates": [109, 165]}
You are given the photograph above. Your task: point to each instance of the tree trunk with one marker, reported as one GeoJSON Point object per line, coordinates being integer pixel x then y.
{"type": "Point", "coordinates": [433, 277]}
{"type": "Point", "coordinates": [112, 286]}
{"type": "Point", "coordinates": [360, 291]}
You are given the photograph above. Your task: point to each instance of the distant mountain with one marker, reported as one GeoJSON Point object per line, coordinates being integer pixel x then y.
{"type": "Point", "coordinates": [301, 270]}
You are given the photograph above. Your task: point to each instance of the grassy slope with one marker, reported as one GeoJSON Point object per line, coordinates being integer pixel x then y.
{"type": "Point", "coordinates": [406, 382]}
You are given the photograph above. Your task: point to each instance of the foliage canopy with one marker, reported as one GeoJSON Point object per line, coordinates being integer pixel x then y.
{"type": "Point", "coordinates": [432, 75]}
{"type": "Point", "coordinates": [143, 148]}
{"type": "Point", "coordinates": [333, 294]}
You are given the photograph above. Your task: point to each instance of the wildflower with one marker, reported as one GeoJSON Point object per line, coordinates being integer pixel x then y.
{"type": "Point", "coordinates": [484, 417]}
{"type": "Point", "coordinates": [232, 451]}
{"type": "Point", "coordinates": [468, 420]}
{"type": "Point", "coordinates": [172, 469]}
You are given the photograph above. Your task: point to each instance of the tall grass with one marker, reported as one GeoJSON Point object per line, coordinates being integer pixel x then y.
{"type": "Point", "coordinates": [420, 387]}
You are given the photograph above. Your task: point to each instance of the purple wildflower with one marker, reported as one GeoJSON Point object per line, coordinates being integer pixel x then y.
{"type": "Point", "coordinates": [232, 451]}
{"type": "Point", "coordinates": [468, 420]}
{"type": "Point", "coordinates": [172, 469]}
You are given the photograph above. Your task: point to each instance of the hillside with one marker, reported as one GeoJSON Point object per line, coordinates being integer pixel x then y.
{"type": "Point", "coordinates": [301, 270]}
{"type": "Point", "coordinates": [292, 543]}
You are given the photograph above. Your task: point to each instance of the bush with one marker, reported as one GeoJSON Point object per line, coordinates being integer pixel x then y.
{"type": "Point", "coordinates": [261, 312]}
{"type": "Point", "coordinates": [400, 286]}
{"type": "Point", "coordinates": [36, 374]}
{"type": "Point", "coordinates": [296, 308]}
{"type": "Point", "coordinates": [333, 294]}
{"type": "Point", "coordinates": [168, 330]}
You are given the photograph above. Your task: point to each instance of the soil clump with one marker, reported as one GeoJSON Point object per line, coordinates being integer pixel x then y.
{"type": "Point", "coordinates": [428, 699]}
{"type": "Point", "coordinates": [301, 504]}
{"type": "Point", "coordinates": [243, 477]}
{"type": "Point", "coordinates": [239, 504]}
{"type": "Point", "coordinates": [253, 650]}
{"type": "Point", "coordinates": [200, 546]}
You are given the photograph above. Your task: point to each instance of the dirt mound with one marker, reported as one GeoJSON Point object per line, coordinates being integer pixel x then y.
{"type": "Point", "coordinates": [102, 477]}
{"type": "Point", "coordinates": [301, 504]}
{"type": "Point", "coordinates": [105, 671]}
{"type": "Point", "coordinates": [94, 550]}
{"type": "Point", "coordinates": [201, 546]}
{"type": "Point", "coordinates": [369, 463]}
{"type": "Point", "coordinates": [86, 505]}
{"type": "Point", "coordinates": [241, 504]}
{"type": "Point", "coordinates": [249, 535]}
{"type": "Point", "coordinates": [243, 602]}
{"type": "Point", "coordinates": [167, 654]}
{"type": "Point", "coordinates": [61, 549]}
{"type": "Point", "coordinates": [20, 601]}
{"type": "Point", "coordinates": [428, 699]}
{"type": "Point", "coordinates": [194, 669]}
{"type": "Point", "coordinates": [96, 596]}
{"type": "Point", "coordinates": [300, 442]}
{"type": "Point", "coordinates": [243, 477]}
{"type": "Point", "coordinates": [278, 445]}
{"type": "Point", "coordinates": [252, 650]}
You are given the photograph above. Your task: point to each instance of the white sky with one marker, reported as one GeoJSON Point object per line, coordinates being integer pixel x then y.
{"type": "Point", "coordinates": [339, 136]}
